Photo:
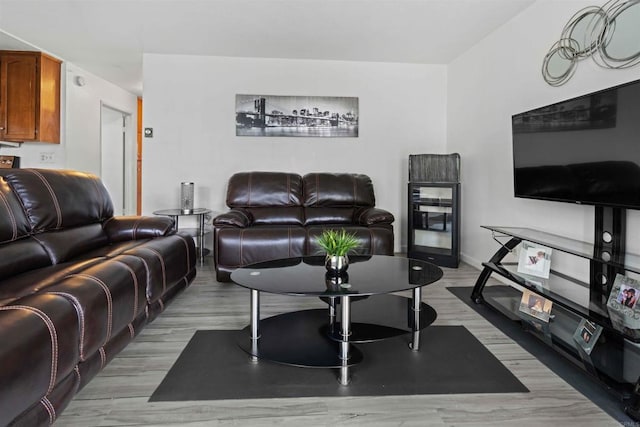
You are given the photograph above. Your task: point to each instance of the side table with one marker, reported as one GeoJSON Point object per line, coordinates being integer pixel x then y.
{"type": "Point", "coordinates": [198, 232]}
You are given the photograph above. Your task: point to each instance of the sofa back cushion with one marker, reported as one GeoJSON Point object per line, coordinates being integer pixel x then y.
{"type": "Point", "coordinates": [337, 190]}
{"type": "Point", "coordinates": [60, 199]}
{"type": "Point", "coordinates": [264, 189]}
{"type": "Point", "coordinates": [18, 251]}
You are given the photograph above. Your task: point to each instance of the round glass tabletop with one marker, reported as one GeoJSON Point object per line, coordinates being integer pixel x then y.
{"type": "Point", "coordinates": [367, 275]}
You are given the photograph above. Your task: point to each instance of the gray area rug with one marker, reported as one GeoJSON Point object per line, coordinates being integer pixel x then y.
{"type": "Point", "coordinates": [451, 361]}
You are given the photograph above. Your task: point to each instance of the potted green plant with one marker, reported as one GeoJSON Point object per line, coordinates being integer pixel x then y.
{"type": "Point", "coordinates": [337, 244]}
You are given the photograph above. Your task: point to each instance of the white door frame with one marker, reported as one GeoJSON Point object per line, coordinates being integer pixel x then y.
{"type": "Point", "coordinates": [130, 158]}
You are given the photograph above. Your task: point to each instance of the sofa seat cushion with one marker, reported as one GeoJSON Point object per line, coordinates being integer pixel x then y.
{"type": "Point", "coordinates": [107, 297]}
{"type": "Point", "coordinates": [277, 215]}
{"type": "Point", "coordinates": [39, 336]}
{"type": "Point", "coordinates": [372, 240]}
{"type": "Point", "coordinates": [328, 215]}
{"type": "Point", "coordinates": [245, 246]}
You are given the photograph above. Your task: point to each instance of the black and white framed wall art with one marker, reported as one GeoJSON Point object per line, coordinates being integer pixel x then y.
{"type": "Point", "coordinates": [297, 116]}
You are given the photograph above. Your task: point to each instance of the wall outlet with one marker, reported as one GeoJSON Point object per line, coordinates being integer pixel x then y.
{"type": "Point", "coordinates": [49, 157]}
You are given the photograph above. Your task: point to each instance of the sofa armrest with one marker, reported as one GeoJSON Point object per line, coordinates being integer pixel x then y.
{"type": "Point", "coordinates": [235, 218]}
{"type": "Point", "coordinates": [122, 228]}
{"type": "Point", "coordinates": [371, 216]}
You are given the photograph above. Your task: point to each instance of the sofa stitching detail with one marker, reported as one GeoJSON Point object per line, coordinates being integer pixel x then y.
{"type": "Point", "coordinates": [12, 218]}
{"type": "Point", "coordinates": [164, 271]}
{"type": "Point", "coordinates": [146, 267]}
{"type": "Point", "coordinates": [49, 408]}
{"type": "Point", "coordinates": [103, 358]}
{"type": "Point", "coordinates": [52, 334]}
{"type": "Point", "coordinates": [76, 305]}
{"type": "Point", "coordinates": [186, 247]}
{"type": "Point", "coordinates": [107, 293]}
{"type": "Point", "coordinates": [134, 229]}
{"type": "Point", "coordinates": [135, 287]}
{"type": "Point", "coordinates": [56, 204]}
{"type": "Point", "coordinates": [77, 371]}
{"type": "Point", "coordinates": [45, 247]}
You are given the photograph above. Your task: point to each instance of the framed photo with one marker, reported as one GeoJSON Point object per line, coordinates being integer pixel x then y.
{"type": "Point", "coordinates": [587, 334]}
{"type": "Point", "coordinates": [297, 116]}
{"type": "Point", "coordinates": [534, 260]}
{"type": "Point", "coordinates": [535, 305]}
{"type": "Point", "coordinates": [623, 307]}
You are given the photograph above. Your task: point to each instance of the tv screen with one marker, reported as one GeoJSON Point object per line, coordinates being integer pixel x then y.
{"type": "Point", "coordinates": [582, 150]}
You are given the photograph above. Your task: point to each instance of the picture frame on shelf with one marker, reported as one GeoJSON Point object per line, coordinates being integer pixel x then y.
{"type": "Point", "coordinates": [534, 260]}
{"type": "Point", "coordinates": [623, 307]}
{"type": "Point", "coordinates": [587, 334]}
{"type": "Point", "coordinates": [535, 305]}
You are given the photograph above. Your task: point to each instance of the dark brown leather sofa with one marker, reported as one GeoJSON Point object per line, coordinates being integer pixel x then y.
{"type": "Point", "coordinates": [280, 215]}
{"type": "Point", "coordinates": [76, 285]}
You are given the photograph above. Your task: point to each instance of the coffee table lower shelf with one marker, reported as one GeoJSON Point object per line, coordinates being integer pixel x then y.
{"type": "Point", "coordinates": [304, 339]}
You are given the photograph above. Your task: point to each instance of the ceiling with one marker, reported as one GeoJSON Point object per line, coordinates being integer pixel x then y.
{"type": "Point", "coordinates": [108, 37]}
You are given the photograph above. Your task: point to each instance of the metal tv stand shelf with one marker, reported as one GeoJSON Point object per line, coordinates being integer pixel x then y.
{"type": "Point", "coordinates": [615, 359]}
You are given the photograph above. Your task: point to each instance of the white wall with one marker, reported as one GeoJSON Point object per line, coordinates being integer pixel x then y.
{"type": "Point", "coordinates": [83, 148]}
{"type": "Point", "coordinates": [498, 77]}
{"type": "Point", "coordinates": [189, 101]}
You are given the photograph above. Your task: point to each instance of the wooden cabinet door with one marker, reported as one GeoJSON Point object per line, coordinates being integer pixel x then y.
{"type": "Point", "coordinates": [19, 89]}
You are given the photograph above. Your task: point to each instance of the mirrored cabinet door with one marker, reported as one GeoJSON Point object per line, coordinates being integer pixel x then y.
{"type": "Point", "coordinates": [433, 222]}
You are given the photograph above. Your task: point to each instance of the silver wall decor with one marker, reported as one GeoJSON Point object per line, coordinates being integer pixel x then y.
{"type": "Point", "coordinates": [610, 35]}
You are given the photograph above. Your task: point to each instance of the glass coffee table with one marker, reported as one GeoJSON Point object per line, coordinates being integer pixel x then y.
{"type": "Point", "coordinates": [360, 309]}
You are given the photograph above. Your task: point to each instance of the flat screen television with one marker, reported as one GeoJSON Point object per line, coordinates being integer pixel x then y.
{"type": "Point", "coordinates": [582, 150]}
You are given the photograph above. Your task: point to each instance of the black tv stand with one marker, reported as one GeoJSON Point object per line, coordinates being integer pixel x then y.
{"type": "Point", "coordinates": [615, 360]}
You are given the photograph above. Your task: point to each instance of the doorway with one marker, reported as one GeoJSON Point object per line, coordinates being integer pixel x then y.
{"type": "Point", "coordinates": [118, 159]}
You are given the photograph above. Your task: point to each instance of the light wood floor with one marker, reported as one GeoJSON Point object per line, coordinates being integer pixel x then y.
{"type": "Point", "coordinates": [119, 395]}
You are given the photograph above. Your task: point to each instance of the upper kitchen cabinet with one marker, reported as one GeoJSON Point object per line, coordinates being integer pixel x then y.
{"type": "Point", "coordinates": [29, 97]}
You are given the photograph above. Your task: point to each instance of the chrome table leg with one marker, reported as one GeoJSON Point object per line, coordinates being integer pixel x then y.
{"type": "Point", "coordinates": [415, 328]}
{"type": "Point", "coordinates": [255, 324]}
{"type": "Point", "coordinates": [345, 305]}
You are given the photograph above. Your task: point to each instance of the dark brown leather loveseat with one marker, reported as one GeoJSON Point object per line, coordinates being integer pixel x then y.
{"type": "Point", "coordinates": [76, 285]}
{"type": "Point", "coordinates": [280, 215]}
